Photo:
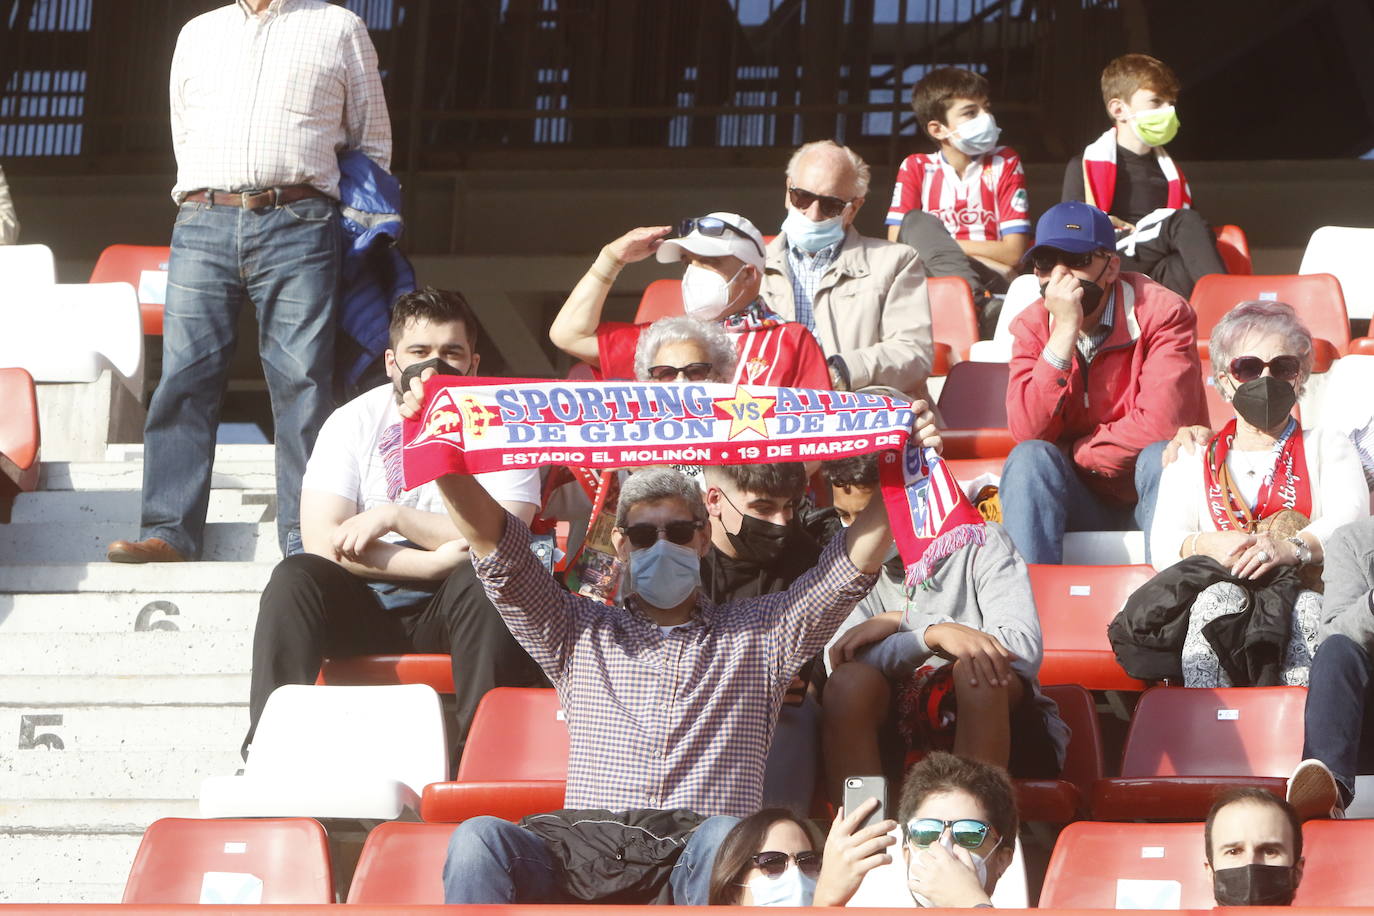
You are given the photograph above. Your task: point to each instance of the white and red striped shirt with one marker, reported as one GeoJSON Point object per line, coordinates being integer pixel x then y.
{"type": "Point", "coordinates": [988, 202]}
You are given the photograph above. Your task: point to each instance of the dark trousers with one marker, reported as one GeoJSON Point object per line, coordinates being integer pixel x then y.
{"type": "Point", "coordinates": [313, 608]}
{"type": "Point", "coordinates": [942, 257]}
{"type": "Point", "coordinates": [1183, 252]}
{"type": "Point", "coordinates": [1340, 697]}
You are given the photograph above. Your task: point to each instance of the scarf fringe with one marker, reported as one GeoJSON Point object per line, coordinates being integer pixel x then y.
{"type": "Point", "coordinates": [955, 539]}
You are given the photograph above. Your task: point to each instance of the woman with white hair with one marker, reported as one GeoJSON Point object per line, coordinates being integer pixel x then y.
{"type": "Point", "coordinates": [683, 349]}
{"type": "Point", "coordinates": [1262, 497]}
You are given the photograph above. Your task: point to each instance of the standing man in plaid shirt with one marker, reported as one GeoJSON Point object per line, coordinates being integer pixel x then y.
{"type": "Point", "coordinates": [264, 95]}
{"type": "Point", "coordinates": [671, 700]}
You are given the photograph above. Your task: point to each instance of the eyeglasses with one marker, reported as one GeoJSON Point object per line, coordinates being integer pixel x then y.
{"type": "Point", "coordinates": [1045, 259]}
{"type": "Point", "coordinates": [695, 372]}
{"type": "Point", "coordinates": [966, 832]}
{"type": "Point", "coordinates": [774, 863]}
{"type": "Point", "coordinates": [831, 207]}
{"type": "Point", "coordinates": [1248, 368]}
{"type": "Point", "coordinates": [714, 227]}
{"type": "Point", "coordinates": [644, 535]}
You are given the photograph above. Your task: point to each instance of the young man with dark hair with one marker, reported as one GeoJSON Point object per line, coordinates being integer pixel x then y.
{"type": "Point", "coordinates": [385, 569]}
{"type": "Point", "coordinates": [758, 546]}
{"type": "Point", "coordinates": [853, 482]}
{"type": "Point", "coordinates": [963, 207]}
{"type": "Point", "coordinates": [1128, 173]}
{"type": "Point", "coordinates": [1253, 842]}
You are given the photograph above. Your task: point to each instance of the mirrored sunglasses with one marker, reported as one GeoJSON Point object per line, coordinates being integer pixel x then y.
{"type": "Point", "coordinates": [966, 832]}
{"type": "Point", "coordinates": [714, 227]}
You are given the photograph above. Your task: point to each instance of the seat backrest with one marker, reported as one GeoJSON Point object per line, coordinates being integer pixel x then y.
{"type": "Point", "coordinates": [1075, 604]}
{"type": "Point", "coordinates": [953, 320]}
{"type": "Point", "coordinates": [392, 732]}
{"type": "Point", "coordinates": [1234, 249]}
{"type": "Point", "coordinates": [145, 268]}
{"type": "Point", "coordinates": [1215, 731]}
{"type": "Point", "coordinates": [19, 433]}
{"type": "Point", "coordinates": [1024, 290]}
{"type": "Point", "coordinates": [27, 265]}
{"type": "Point", "coordinates": [1344, 252]}
{"type": "Point", "coordinates": [1317, 298]}
{"type": "Point", "coordinates": [258, 860]}
{"type": "Point", "coordinates": [1083, 759]}
{"type": "Point", "coordinates": [1337, 854]}
{"type": "Point", "coordinates": [1127, 866]}
{"type": "Point", "coordinates": [661, 299]}
{"type": "Point", "coordinates": [975, 396]}
{"type": "Point", "coordinates": [402, 864]}
{"type": "Point", "coordinates": [1345, 403]}
{"type": "Point", "coordinates": [517, 733]}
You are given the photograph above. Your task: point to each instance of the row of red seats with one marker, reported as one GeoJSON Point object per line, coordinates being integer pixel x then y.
{"type": "Point", "coordinates": [19, 436]}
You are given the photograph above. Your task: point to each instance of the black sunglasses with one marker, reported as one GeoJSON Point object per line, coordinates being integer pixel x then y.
{"type": "Point", "coordinates": [695, 372]}
{"type": "Point", "coordinates": [831, 207]}
{"type": "Point", "coordinates": [644, 535]}
{"type": "Point", "coordinates": [773, 863]}
{"type": "Point", "coordinates": [1248, 368]}
{"type": "Point", "coordinates": [1045, 259]}
{"type": "Point", "coordinates": [714, 227]}
{"type": "Point", "coordinates": [966, 832]}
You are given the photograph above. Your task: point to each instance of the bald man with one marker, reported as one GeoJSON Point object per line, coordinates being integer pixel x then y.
{"type": "Point", "coordinates": [864, 298]}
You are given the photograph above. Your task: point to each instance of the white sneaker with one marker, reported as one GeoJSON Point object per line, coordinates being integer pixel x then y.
{"type": "Point", "coordinates": [1313, 793]}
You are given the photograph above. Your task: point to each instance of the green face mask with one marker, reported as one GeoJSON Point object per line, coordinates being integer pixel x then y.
{"type": "Point", "coordinates": [1155, 126]}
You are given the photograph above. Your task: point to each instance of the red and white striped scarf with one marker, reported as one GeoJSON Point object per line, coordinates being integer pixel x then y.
{"type": "Point", "coordinates": [1099, 175]}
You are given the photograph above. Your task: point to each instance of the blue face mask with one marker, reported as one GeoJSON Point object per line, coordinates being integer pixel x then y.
{"type": "Point", "coordinates": [812, 236]}
{"type": "Point", "coordinates": [664, 574]}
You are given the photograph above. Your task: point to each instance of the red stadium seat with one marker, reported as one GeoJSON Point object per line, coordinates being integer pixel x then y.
{"type": "Point", "coordinates": [379, 670]}
{"type": "Point", "coordinates": [1316, 297]}
{"type": "Point", "coordinates": [19, 433]}
{"type": "Point", "coordinates": [289, 855]}
{"type": "Point", "coordinates": [1337, 853]}
{"type": "Point", "coordinates": [1091, 859]}
{"type": "Point", "coordinates": [661, 299]}
{"type": "Point", "coordinates": [1076, 603]}
{"type": "Point", "coordinates": [953, 320]}
{"type": "Point", "coordinates": [1186, 744]}
{"type": "Point", "coordinates": [973, 408]}
{"type": "Point", "coordinates": [1062, 800]}
{"type": "Point", "coordinates": [1234, 249]}
{"type": "Point", "coordinates": [402, 864]}
{"type": "Point", "coordinates": [128, 263]}
{"type": "Point", "coordinates": [515, 761]}
{"type": "Point", "coordinates": [1362, 346]}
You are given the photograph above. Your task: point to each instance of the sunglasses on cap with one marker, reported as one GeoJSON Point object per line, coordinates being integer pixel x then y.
{"type": "Point", "coordinates": [1248, 368]}
{"type": "Point", "coordinates": [713, 227]}
{"type": "Point", "coordinates": [693, 372]}
{"type": "Point", "coordinates": [1045, 259]}
{"type": "Point", "coordinates": [965, 832]}
{"type": "Point", "coordinates": [644, 535]}
{"type": "Point", "coordinates": [831, 207]}
{"type": "Point", "coordinates": [773, 863]}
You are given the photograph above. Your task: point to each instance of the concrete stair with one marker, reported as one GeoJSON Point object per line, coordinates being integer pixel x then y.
{"type": "Point", "coordinates": [124, 686]}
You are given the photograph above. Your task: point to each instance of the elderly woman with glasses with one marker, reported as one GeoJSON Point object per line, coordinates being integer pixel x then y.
{"type": "Point", "coordinates": [683, 349]}
{"type": "Point", "coordinates": [1242, 520]}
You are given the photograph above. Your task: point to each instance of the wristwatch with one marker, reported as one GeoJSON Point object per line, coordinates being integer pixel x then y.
{"type": "Point", "coordinates": [1303, 552]}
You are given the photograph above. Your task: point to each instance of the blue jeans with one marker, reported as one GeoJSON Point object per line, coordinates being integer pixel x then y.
{"type": "Point", "coordinates": [1339, 700]}
{"type": "Point", "coordinates": [286, 261]}
{"type": "Point", "coordinates": [491, 860]}
{"type": "Point", "coordinates": [1043, 497]}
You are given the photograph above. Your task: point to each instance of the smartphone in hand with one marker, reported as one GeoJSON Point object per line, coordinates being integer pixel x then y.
{"type": "Point", "coordinates": [858, 789]}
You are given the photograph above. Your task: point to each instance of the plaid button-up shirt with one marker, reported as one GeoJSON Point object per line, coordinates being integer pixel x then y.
{"type": "Point", "coordinates": [676, 720]}
{"type": "Point", "coordinates": [807, 271]}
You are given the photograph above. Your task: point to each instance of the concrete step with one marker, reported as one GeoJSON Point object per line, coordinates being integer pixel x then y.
{"type": "Point", "coordinates": [151, 579]}
{"type": "Point", "coordinates": [117, 728]}
{"type": "Point", "coordinates": [128, 612]}
{"type": "Point", "coordinates": [114, 773]}
{"type": "Point", "coordinates": [65, 867]}
{"type": "Point", "coordinates": [133, 451]}
{"type": "Point", "coordinates": [86, 542]}
{"type": "Point", "coordinates": [84, 815]}
{"type": "Point", "coordinates": [153, 653]}
{"type": "Point", "coordinates": [128, 475]}
{"type": "Point", "coordinates": [125, 507]}
{"type": "Point", "coordinates": [59, 691]}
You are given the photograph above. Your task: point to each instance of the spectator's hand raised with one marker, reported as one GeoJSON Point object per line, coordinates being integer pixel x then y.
{"type": "Point", "coordinates": [988, 661]}
{"type": "Point", "coordinates": [923, 429]}
{"type": "Point", "coordinates": [638, 244]}
{"type": "Point", "coordinates": [851, 853]}
{"type": "Point", "coordinates": [945, 878]}
{"type": "Point", "coordinates": [1186, 440]}
{"type": "Point", "coordinates": [414, 399]}
{"type": "Point", "coordinates": [1064, 298]}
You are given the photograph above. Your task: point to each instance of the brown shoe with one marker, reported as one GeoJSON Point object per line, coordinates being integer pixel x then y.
{"type": "Point", "coordinates": [152, 550]}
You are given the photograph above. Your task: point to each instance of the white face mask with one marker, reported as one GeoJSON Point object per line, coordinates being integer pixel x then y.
{"type": "Point", "coordinates": [976, 136]}
{"type": "Point", "coordinates": [980, 867]}
{"type": "Point", "coordinates": [791, 888]}
{"type": "Point", "coordinates": [664, 574]}
{"type": "Point", "coordinates": [705, 293]}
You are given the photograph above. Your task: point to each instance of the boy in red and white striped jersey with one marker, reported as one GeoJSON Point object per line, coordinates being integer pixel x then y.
{"type": "Point", "coordinates": [963, 207]}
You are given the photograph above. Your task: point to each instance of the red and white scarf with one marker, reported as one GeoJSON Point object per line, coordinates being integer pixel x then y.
{"type": "Point", "coordinates": [1099, 175]}
{"type": "Point", "coordinates": [1286, 486]}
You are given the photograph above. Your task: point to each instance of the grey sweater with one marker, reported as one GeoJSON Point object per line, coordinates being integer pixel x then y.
{"type": "Point", "coordinates": [986, 588]}
{"type": "Point", "coordinates": [1348, 602]}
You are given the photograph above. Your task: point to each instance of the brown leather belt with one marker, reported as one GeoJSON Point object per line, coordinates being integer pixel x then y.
{"type": "Point", "coordinates": [254, 200]}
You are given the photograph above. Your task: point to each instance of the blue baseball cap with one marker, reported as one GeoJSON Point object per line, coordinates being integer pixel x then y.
{"type": "Point", "coordinates": [1075, 227]}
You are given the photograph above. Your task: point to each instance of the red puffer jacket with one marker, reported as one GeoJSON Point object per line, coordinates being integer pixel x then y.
{"type": "Point", "coordinates": [1143, 384]}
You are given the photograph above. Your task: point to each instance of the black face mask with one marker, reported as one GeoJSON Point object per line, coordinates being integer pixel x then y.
{"type": "Point", "coordinates": [437, 364]}
{"type": "Point", "coordinates": [1254, 885]}
{"type": "Point", "coordinates": [1265, 402]}
{"type": "Point", "coordinates": [1092, 293]}
{"type": "Point", "coordinates": [758, 542]}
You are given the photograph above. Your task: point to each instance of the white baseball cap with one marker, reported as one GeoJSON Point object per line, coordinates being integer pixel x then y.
{"type": "Point", "coordinates": [714, 235]}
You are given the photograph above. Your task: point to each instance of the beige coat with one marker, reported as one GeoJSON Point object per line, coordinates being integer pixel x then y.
{"type": "Point", "coordinates": [871, 308]}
